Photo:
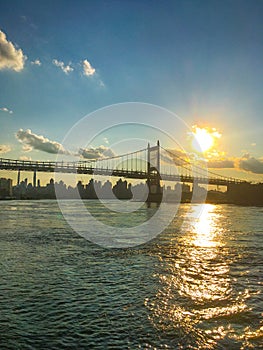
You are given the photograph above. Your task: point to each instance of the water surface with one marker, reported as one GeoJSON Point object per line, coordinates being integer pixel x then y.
{"type": "Point", "coordinates": [198, 285]}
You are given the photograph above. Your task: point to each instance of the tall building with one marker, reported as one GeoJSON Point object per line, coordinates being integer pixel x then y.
{"type": "Point", "coordinates": [5, 188]}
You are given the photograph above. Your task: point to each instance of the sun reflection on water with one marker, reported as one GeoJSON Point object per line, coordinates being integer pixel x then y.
{"type": "Point", "coordinates": [195, 283]}
{"type": "Point", "coordinates": [205, 227]}
{"type": "Point", "coordinates": [203, 276]}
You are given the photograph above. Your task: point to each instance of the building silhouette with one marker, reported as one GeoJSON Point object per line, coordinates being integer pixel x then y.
{"type": "Point", "coordinates": [6, 189]}
{"type": "Point", "coordinates": [243, 194]}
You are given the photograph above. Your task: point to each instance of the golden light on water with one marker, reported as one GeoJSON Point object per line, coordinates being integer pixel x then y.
{"type": "Point", "coordinates": [204, 227]}
{"type": "Point", "coordinates": [195, 283]}
{"type": "Point", "coordinates": [201, 280]}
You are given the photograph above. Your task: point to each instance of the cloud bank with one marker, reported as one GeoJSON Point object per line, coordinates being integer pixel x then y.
{"type": "Point", "coordinates": [251, 164]}
{"type": "Point", "coordinates": [245, 163]}
{"type": "Point", "coordinates": [10, 57]}
{"type": "Point", "coordinates": [221, 164]}
{"type": "Point", "coordinates": [33, 141]}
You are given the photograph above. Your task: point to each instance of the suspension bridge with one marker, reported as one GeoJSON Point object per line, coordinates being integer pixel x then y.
{"type": "Point", "coordinates": [153, 164]}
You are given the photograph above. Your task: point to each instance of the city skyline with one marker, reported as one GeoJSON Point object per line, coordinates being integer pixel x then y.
{"type": "Point", "coordinates": [200, 60]}
{"type": "Point", "coordinates": [131, 162]}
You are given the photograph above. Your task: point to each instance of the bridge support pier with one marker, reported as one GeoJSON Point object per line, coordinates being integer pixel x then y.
{"type": "Point", "coordinates": [155, 194]}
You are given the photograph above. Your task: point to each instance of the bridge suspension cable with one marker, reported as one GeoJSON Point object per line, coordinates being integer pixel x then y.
{"type": "Point", "coordinates": [133, 165]}
{"type": "Point", "coordinates": [197, 169]}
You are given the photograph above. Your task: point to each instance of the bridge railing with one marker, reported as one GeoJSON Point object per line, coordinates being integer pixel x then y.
{"type": "Point", "coordinates": [95, 167]}
{"type": "Point", "coordinates": [43, 164]}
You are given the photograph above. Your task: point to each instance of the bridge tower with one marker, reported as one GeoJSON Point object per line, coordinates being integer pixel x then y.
{"type": "Point", "coordinates": [35, 178]}
{"type": "Point", "coordinates": [18, 177]}
{"type": "Point", "coordinates": [153, 174]}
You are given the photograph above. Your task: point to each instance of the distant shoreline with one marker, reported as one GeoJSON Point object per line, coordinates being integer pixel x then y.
{"type": "Point", "coordinates": [243, 204]}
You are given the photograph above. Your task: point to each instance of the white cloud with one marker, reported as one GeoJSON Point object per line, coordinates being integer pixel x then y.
{"type": "Point", "coordinates": [7, 110]}
{"type": "Point", "coordinates": [65, 68]}
{"type": "Point", "coordinates": [5, 149]}
{"type": "Point", "coordinates": [25, 158]}
{"type": "Point", "coordinates": [33, 141]}
{"type": "Point", "coordinates": [88, 70]}
{"type": "Point", "coordinates": [10, 57]}
{"type": "Point", "coordinates": [96, 153]}
{"type": "Point", "coordinates": [36, 62]}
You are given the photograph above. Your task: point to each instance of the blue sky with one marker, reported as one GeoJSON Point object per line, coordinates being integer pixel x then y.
{"type": "Point", "coordinates": [200, 59]}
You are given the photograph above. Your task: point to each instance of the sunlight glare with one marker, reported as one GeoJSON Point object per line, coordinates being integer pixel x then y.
{"type": "Point", "coordinates": [204, 228]}
{"type": "Point", "coordinates": [204, 139]}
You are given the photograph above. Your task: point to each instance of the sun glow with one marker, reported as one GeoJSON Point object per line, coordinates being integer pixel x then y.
{"type": "Point", "coordinates": [204, 139]}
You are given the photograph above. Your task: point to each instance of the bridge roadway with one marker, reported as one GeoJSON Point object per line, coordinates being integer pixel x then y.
{"type": "Point", "coordinates": [83, 168]}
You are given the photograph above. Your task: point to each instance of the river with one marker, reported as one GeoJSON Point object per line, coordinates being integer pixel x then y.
{"type": "Point", "coordinates": [197, 285]}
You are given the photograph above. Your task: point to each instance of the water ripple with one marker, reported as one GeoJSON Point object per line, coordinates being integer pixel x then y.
{"type": "Point", "coordinates": [196, 286]}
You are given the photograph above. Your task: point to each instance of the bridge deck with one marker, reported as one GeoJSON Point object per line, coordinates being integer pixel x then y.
{"type": "Point", "coordinates": [82, 168]}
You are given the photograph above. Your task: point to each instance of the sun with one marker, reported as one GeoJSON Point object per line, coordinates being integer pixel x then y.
{"type": "Point", "coordinates": [204, 139]}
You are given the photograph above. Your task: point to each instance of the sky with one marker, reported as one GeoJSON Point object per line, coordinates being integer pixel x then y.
{"type": "Point", "coordinates": [201, 60]}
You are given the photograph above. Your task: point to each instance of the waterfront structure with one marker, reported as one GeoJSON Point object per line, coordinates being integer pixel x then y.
{"type": "Point", "coordinates": [6, 190]}
{"type": "Point", "coordinates": [143, 164]}
{"type": "Point", "coordinates": [245, 194]}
